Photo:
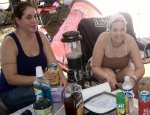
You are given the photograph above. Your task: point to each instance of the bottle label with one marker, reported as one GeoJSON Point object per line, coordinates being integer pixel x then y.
{"type": "Point", "coordinates": [80, 110]}
{"type": "Point", "coordinates": [43, 90]}
{"type": "Point", "coordinates": [46, 111]}
{"type": "Point", "coordinates": [78, 102]}
{"type": "Point", "coordinates": [53, 68]}
{"type": "Point", "coordinates": [38, 92]}
{"type": "Point", "coordinates": [128, 93]}
{"type": "Point", "coordinates": [121, 109]}
{"type": "Point", "coordinates": [46, 92]}
{"type": "Point", "coordinates": [127, 105]}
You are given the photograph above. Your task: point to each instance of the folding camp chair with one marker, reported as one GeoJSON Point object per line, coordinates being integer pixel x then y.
{"type": "Point", "coordinates": [147, 51]}
{"type": "Point", "coordinates": [47, 10]}
{"type": "Point", "coordinates": [6, 7]}
{"type": "Point", "coordinates": [5, 10]}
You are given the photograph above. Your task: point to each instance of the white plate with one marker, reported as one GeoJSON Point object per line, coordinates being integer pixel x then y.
{"type": "Point", "coordinates": [101, 103]}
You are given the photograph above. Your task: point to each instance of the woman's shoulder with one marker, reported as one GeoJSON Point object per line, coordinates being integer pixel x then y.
{"type": "Point", "coordinates": [130, 42]}
{"type": "Point", "coordinates": [103, 37]}
{"type": "Point", "coordinates": [8, 43]}
{"type": "Point", "coordinates": [8, 39]}
{"type": "Point", "coordinates": [130, 39]}
{"type": "Point", "coordinates": [104, 34]}
{"type": "Point", "coordinates": [42, 35]}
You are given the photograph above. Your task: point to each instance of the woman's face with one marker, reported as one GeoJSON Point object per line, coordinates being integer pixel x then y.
{"type": "Point", "coordinates": [118, 31]}
{"type": "Point", "coordinates": [29, 20]}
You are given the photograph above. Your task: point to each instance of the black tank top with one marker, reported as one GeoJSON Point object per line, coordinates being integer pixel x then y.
{"type": "Point", "coordinates": [25, 65]}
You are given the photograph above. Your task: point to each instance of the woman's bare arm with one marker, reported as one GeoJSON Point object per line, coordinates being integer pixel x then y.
{"type": "Point", "coordinates": [51, 59]}
{"type": "Point", "coordinates": [136, 58]}
{"type": "Point", "coordinates": [97, 57]}
{"type": "Point", "coordinates": [9, 64]}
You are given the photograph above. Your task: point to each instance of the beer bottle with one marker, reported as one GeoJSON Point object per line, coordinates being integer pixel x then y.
{"type": "Point", "coordinates": [73, 99]}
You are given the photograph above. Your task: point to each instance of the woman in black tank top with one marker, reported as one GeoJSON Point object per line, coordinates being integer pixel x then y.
{"type": "Point", "coordinates": [21, 51]}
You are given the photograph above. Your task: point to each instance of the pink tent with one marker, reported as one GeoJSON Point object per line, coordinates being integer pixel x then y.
{"type": "Point", "coordinates": [78, 11]}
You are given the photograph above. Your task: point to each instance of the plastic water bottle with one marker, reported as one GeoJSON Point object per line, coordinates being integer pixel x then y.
{"type": "Point", "coordinates": [127, 88]}
{"type": "Point", "coordinates": [41, 86]}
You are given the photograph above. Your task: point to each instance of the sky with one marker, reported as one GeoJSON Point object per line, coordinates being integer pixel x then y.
{"type": "Point", "coordinates": [138, 9]}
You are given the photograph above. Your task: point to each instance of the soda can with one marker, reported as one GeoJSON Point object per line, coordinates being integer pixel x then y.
{"type": "Point", "coordinates": [54, 68]}
{"type": "Point", "coordinates": [120, 102]}
{"type": "Point", "coordinates": [144, 102]}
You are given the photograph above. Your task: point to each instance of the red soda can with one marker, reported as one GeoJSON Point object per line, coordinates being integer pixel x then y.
{"type": "Point", "coordinates": [144, 102]}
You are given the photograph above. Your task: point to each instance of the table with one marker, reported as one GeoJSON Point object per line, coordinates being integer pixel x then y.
{"type": "Point", "coordinates": [114, 111]}
{"type": "Point", "coordinates": [60, 110]}
{"type": "Point", "coordinates": [106, 87]}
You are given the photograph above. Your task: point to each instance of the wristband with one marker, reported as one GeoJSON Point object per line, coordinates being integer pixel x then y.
{"type": "Point", "coordinates": [134, 77]}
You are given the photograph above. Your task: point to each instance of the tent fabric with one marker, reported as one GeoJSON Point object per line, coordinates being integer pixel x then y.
{"type": "Point", "coordinates": [138, 9]}
{"type": "Point", "coordinates": [78, 11]}
{"type": "Point", "coordinates": [81, 14]}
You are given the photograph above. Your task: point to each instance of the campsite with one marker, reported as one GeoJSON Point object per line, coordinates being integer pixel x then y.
{"type": "Point", "coordinates": [55, 27]}
{"type": "Point", "coordinates": [64, 21]}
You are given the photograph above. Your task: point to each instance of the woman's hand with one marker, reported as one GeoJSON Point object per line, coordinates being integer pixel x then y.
{"type": "Point", "coordinates": [112, 82]}
{"type": "Point", "coordinates": [63, 81]}
{"type": "Point", "coordinates": [50, 76]}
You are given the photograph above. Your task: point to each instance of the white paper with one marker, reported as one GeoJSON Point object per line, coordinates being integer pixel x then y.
{"type": "Point", "coordinates": [89, 92]}
{"type": "Point", "coordinates": [102, 103]}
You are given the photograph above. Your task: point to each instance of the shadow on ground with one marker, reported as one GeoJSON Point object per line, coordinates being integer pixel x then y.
{"type": "Point", "coordinates": [52, 28]}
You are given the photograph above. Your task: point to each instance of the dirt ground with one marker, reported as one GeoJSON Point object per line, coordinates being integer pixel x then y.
{"type": "Point", "coordinates": [52, 27]}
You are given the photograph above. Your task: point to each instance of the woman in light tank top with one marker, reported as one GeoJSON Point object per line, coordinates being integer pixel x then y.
{"type": "Point", "coordinates": [116, 54]}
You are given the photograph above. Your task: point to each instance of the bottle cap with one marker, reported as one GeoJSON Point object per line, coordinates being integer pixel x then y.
{"type": "Point", "coordinates": [39, 71]}
{"type": "Point", "coordinates": [127, 78]}
{"type": "Point", "coordinates": [41, 104]}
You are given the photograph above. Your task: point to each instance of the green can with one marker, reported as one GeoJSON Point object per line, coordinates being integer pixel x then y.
{"type": "Point", "coordinates": [120, 102]}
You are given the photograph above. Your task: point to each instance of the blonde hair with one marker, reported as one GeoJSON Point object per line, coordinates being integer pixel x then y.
{"type": "Point", "coordinates": [114, 18]}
